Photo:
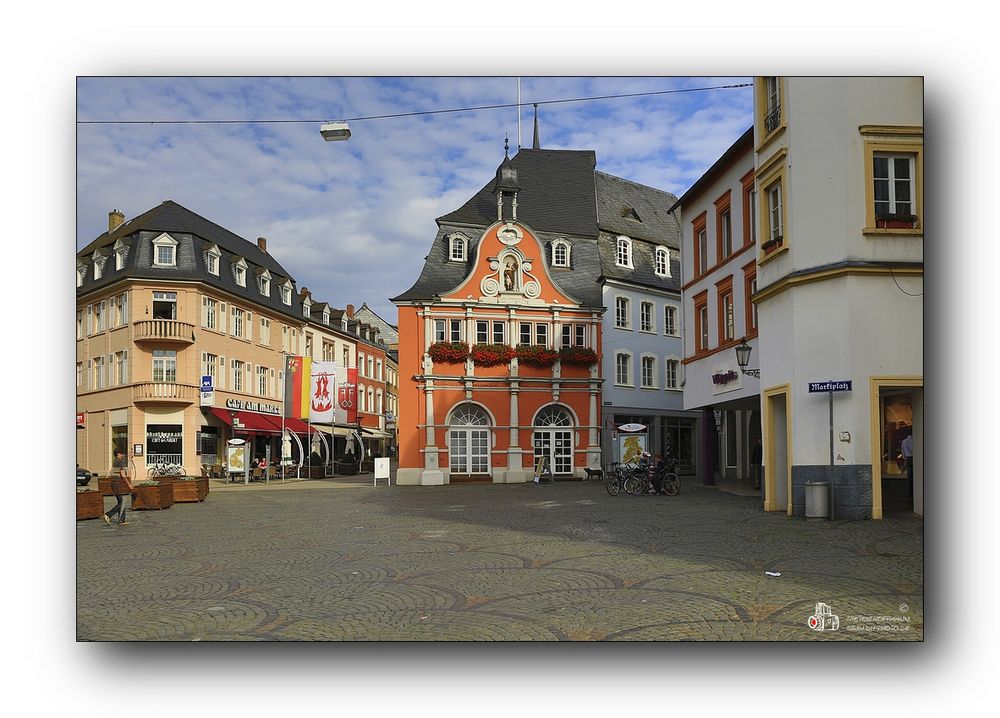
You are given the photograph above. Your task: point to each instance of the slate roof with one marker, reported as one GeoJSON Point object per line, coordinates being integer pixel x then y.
{"type": "Point", "coordinates": [194, 234]}
{"type": "Point", "coordinates": [619, 201]}
{"type": "Point", "coordinates": [388, 332]}
{"type": "Point", "coordinates": [557, 194]}
{"type": "Point", "coordinates": [562, 196]}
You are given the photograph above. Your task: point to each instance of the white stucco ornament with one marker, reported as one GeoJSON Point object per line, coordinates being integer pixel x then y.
{"type": "Point", "coordinates": [509, 235]}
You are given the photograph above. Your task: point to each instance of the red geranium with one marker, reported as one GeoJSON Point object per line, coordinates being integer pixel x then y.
{"type": "Point", "coordinates": [492, 354]}
{"type": "Point", "coordinates": [583, 356]}
{"type": "Point", "coordinates": [536, 355]}
{"type": "Point", "coordinates": [449, 352]}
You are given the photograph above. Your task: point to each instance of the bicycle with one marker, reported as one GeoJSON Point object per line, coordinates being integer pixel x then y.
{"type": "Point", "coordinates": [614, 479]}
{"type": "Point", "coordinates": [640, 481]}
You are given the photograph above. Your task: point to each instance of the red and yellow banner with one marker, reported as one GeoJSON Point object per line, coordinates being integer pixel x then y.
{"type": "Point", "coordinates": [297, 384]}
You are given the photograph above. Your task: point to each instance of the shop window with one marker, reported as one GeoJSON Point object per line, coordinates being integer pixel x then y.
{"type": "Point", "coordinates": [164, 444]}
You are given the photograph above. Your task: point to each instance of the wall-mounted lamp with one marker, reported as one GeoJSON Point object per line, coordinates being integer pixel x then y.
{"type": "Point", "coordinates": [743, 358]}
{"type": "Point", "coordinates": [718, 420]}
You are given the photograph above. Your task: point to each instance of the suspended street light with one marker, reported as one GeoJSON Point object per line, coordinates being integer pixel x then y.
{"type": "Point", "coordinates": [334, 131]}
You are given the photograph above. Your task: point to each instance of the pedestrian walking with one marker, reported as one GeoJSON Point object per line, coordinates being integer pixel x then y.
{"type": "Point", "coordinates": [907, 453]}
{"type": "Point", "coordinates": [756, 459]}
{"type": "Point", "coordinates": [120, 485]}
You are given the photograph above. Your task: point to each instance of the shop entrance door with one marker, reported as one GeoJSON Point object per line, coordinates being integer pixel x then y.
{"type": "Point", "coordinates": [469, 451]}
{"type": "Point", "coordinates": [557, 448]}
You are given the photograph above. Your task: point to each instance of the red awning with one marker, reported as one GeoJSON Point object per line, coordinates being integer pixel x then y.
{"type": "Point", "coordinates": [295, 425]}
{"type": "Point", "coordinates": [249, 422]}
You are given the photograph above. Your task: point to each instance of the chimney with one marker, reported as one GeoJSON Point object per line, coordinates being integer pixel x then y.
{"type": "Point", "coordinates": [115, 220]}
{"type": "Point", "coordinates": [262, 244]}
{"type": "Point", "coordinates": [350, 311]}
{"type": "Point", "coordinates": [304, 292]}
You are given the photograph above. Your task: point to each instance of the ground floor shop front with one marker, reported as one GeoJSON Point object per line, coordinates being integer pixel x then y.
{"type": "Point", "coordinates": [675, 435]}
{"type": "Point", "coordinates": [191, 439]}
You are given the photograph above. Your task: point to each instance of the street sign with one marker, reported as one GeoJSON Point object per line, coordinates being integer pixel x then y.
{"type": "Point", "coordinates": [824, 386]}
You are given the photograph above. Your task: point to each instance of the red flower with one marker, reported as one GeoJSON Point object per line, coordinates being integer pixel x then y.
{"type": "Point", "coordinates": [536, 355]}
{"type": "Point", "coordinates": [449, 352]}
{"type": "Point", "coordinates": [578, 355]}
{"type": "Point", "coordinates": [492, 354]}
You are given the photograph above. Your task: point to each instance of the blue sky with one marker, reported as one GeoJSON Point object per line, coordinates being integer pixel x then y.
{"type": "Point", "coordinates": [351, 220]}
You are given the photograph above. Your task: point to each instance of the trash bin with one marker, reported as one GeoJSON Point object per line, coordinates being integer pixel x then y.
{"type": "Point", "coordinates": [817, 499]}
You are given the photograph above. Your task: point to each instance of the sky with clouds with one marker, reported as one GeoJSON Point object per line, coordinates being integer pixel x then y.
{"type": "Point", "coordinates": [352, 220]}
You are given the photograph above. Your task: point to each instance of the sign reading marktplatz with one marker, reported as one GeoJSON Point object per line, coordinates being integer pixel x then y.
{"type": "Point", "coordinates": [823, 386]}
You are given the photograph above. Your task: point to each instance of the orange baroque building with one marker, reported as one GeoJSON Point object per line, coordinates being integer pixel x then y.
{"type": "Point", "coordinates": [499, 357]}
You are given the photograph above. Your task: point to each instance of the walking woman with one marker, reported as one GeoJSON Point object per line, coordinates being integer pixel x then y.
{"type": "Point", "coordinates": [120, 486]}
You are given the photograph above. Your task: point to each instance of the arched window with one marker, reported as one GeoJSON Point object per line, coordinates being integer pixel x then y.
{"type": "Point", "coordinates": [457, 248]}
{"type": "Point", "coordinates": [560, 253]}
{"type": "Point", "coordinates": [552, 439]}
{"type": "Point", "coordinates": [623, 255]}
{"type": "Point", "coordinates": [662, 262]}
{"type": "Point", "coordinates": [469, 440]}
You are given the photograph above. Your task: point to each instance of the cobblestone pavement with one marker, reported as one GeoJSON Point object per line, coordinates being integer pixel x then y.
{"type": "Point", "coordinates": [345, 561]}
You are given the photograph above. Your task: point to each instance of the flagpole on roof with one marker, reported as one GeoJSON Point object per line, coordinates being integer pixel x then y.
{"type": "Point", "coordinates": [518, 113]}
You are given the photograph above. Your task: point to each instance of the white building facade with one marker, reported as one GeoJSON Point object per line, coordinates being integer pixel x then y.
{"type": "Point", "coordinates": [838, 182]}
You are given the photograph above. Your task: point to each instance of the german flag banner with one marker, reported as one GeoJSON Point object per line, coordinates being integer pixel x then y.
{"type": "Point", "coordinates": [297, 373]}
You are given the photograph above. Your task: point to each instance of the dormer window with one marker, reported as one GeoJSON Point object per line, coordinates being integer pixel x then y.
{"type": "Point", "coordinates": [121, 251]}
{"type": "Point", "coordinates": [560, 253]}
{"type": "Point", "coordinates": [343, 327]}
{"type": "Point", "coordinates": [623, 254]}
{"type": "Point", "coordinates": [98, 269]}
{"type": "Point", "coordinates": [326, 317]}
{"type": "Point", "coordinates": [164, 251]}
{"type": "Point", "coordinates": [212, 256]}
{"type": "Point", "coordinates": [662, 262]}
{"type": "Point", "coordinates": [81, 273]}
{"type": "Point", "coordinates": [286, 293]}
{"type": "Point", "coordinates": [306, 307]}
{"type": "Point", "coordinates": [264, 283]}
{"type": "Point", "coordinates": [457, 248]}
{"type": "Point", "coordinates": [240, 272]}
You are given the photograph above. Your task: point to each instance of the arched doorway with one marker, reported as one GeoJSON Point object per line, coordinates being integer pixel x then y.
{"type": "Point", "coordinates": [469, 442]}
{"type": "Point", "coordinates": [552, 439]}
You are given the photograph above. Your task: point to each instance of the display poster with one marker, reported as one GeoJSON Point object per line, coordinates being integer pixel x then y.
{"type": "Point", "coordinates": [631, 447]}
{"type": "Point", "coordinates": [236, 458]}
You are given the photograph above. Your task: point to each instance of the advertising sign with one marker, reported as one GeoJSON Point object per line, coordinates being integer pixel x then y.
{"type": "Point", "coordinates": [631, 447]}
{"type": "Point", "coordinates": [207, 391]}
{"type": "Point", "coordinates": [81, 419]}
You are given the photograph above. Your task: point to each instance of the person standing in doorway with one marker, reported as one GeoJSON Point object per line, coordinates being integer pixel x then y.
{"type": "Point", "coordinates": [907, 448]}
{"type": "Point", "coordinates": [120, 485]}
{"type": "Point", "coordinates": [756, 458]}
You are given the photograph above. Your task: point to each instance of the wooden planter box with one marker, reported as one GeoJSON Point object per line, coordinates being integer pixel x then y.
{"type": "Point", "coordinates": [346, 469]}
{"type": "Point", "coordinates": [153, 497]}
{"type": "Point", "coordinates": [190, 491]}
{"type": "Point", "coordinates": [89, 504]}
{"type": "Point", "coordinates": [104, 485]}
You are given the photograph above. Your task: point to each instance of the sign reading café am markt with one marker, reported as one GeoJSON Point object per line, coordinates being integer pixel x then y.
{"type": "Point", "coordinates": [824, 386]}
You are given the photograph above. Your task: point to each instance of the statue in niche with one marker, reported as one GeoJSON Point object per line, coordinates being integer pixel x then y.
{"type": "Point", "coordinates": [510, 275]}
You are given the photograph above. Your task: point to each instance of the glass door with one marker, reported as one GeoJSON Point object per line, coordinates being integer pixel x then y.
{"type": "Point", "coordinates": [562, 452]}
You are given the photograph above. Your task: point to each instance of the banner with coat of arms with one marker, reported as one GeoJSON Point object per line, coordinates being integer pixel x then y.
{"type": "Point", "coordinates": [322, 390]}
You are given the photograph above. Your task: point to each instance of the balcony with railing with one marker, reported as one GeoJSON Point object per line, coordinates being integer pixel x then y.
{"type": "Point", "coordinates": [773, 119]}
{"type": "Point", "coordinates": [165, 392]}
{"type": "Point", "coordinates": [163, 330]}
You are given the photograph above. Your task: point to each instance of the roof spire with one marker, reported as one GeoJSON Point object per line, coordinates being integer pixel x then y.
{"type": "Point", "coordinates": [506, 145]}
{"type": "Point", "coordinates": [534, 144]}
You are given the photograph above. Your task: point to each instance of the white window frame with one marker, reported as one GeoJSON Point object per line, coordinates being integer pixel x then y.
{"type": "Point", "coordinates": [237, 325]}
{"type": "Point", "coordinates": [238, 367]}
{"type": "Point", "coordinates": [541, 334]}
{"type": "Point", "coordinates": [556, 246]}
{"type": "Point", "coordinates": [662, 262]}
{"type": "Point", "coordinates": [99, 373]}
{"type": "Point", "coordinates": [670, 324]}
{"type": "Point", "coordinates": [702, 240]}
{"type": "Point", "coordinates": [645, 326]}
{"type": "Point", "coordinates": [774, 210]}
{"type": "Point", "coordinates": [623, 312]}
{"type": "Point", "coordinates": [122, 306]}
{"type": "Point", "coordinates": [440, 330]}
{"type": "Point", "coordinates": [674, 362]}
{"type": "Point", "coordinates": [210, 313]}
{"type": "Point", "coordinates": [286, 294]}
{"type": "Point", "coordinates": [650, 360]}
{"type": "Point", "coordinates": [100, 313]}
{"type": "Point", "coordinates": [209, 367]}
{"type": "Point", "coordinates": [98, 269]}
{"type": "Point", "coordinates": [456, 330]}
{"type": "Point", "coordinates": [79, 325]}
{"type": "Point", "coordinates": [165, 241]}
{"type": "Point", "coordinates": [120, 251]}
{"type": "Point", "coordinates": [212, 257]}
{"type": "Point", "coordinates": [240, 270]}
{"type": "Point", "coordinates": [261, 380]}
{"type": "Point", "coordinates": [81, 272]}
{"type": "Point", "coordinates": [627, 379]}
{"type": "Point", "coordinates": [459, 243]}
{"type": "Point", "coordinates": [264, 283]}
{"type": "Point", "coordinates": [891, 181]}
{"type": "Point", "coordinates": [167, 361]}
{"type": "Point", "coordinates": [122, 367]}
{"type": "Point", "coordinates": [623, 252]}
{"type": "Point", "coordinates": [265, 331]}
{"type": "Point", "coordinates": [326, 317]}
{"type": "Point", "coordinates": [306, 307]}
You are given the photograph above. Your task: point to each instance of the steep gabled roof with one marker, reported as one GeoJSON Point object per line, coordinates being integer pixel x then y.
{"type": "Point", "coordinates": [557, 194]}
{"type": "Point", "coordinates": [635, 210]}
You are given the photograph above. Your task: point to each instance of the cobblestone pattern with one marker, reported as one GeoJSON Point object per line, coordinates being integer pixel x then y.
{"type": "Point", "coordinates": [492, 562]}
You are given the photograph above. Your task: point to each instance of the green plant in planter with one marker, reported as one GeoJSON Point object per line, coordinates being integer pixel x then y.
{"type": "Point", "coordinates": [147, 482]}
{"type": "Point", "coordinates": [583, 356]}
{"type": "Point", "coordinates": [492, 354]}
{"type": "Point", "coordinates": [537, 356]}
{"type": "Point", "coordinates": [448, 352]}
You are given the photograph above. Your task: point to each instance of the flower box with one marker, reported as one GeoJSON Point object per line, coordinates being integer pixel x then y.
{"type": "Point", "coordinates": [448, 352]}
{"type": "Point", "coordinates": [89, 504]}
{"type": "Point", "coordinates": [492, 354]}
{"type": "Point", "coordinates": [537, 356]}
{"type": "Point", "coordinates": [580, 356]}
{"type": "Point", "coordinates": [104, 485]}
{"type": "Point", "coordinates": [190, 489]}
{"type": "Point", "coordinates": [152, 495]}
